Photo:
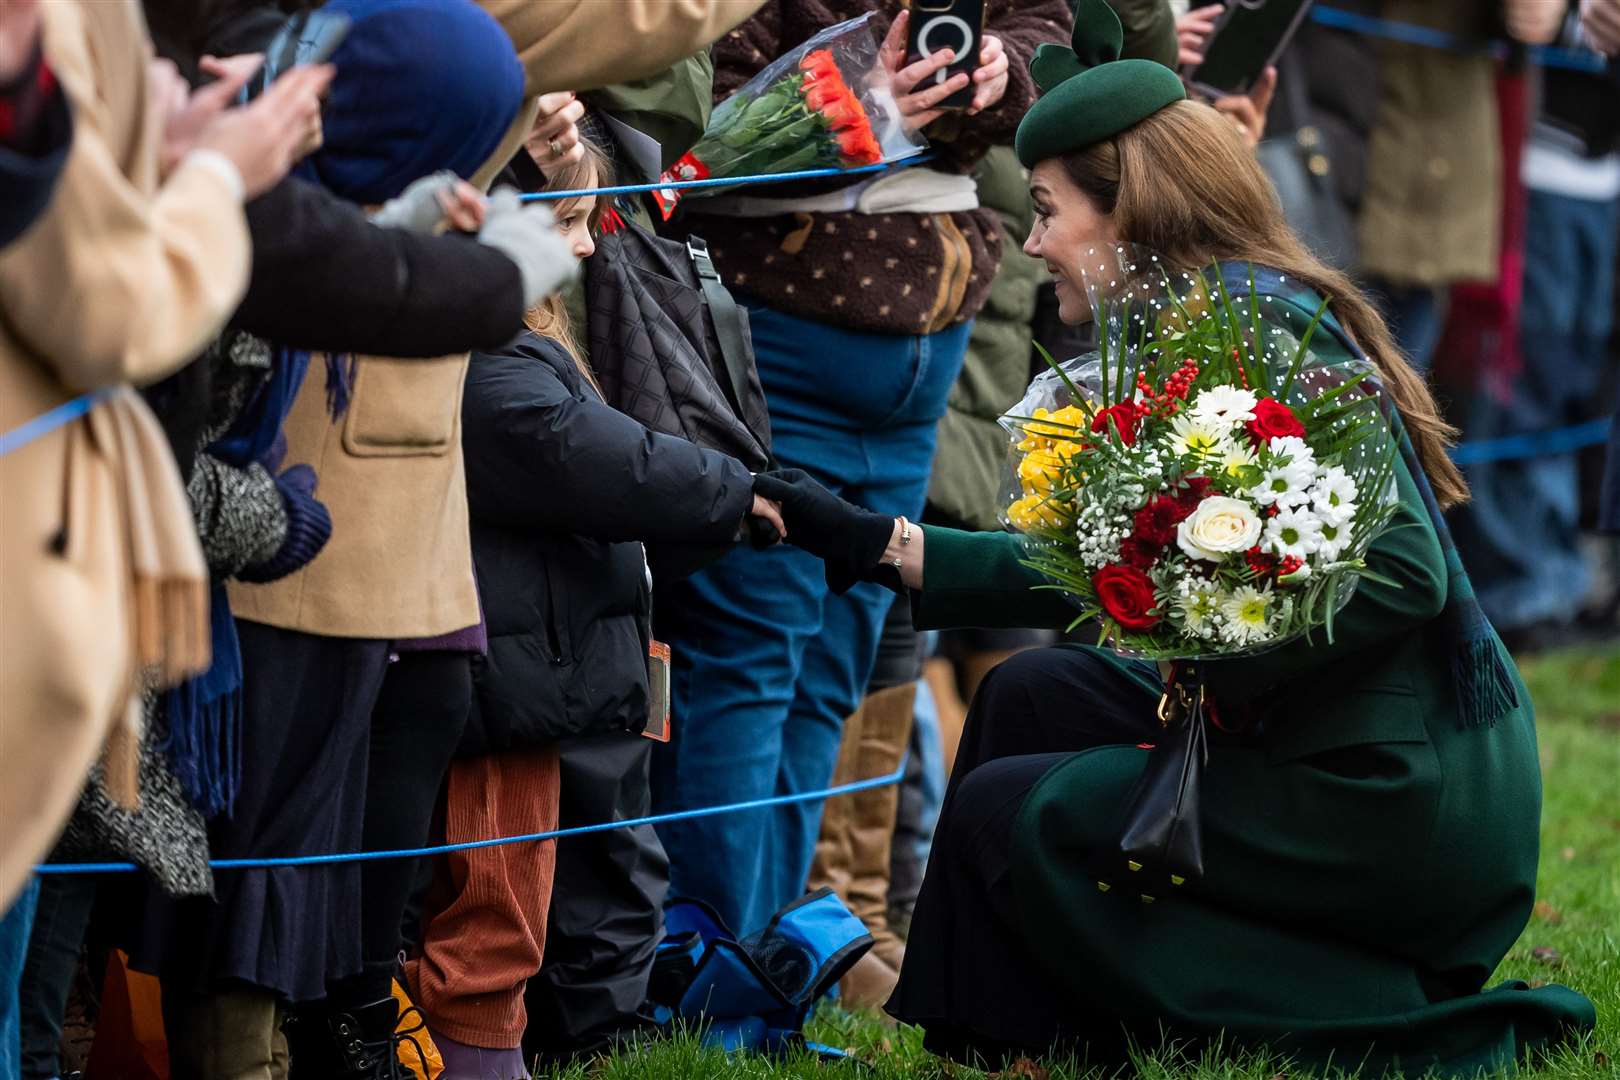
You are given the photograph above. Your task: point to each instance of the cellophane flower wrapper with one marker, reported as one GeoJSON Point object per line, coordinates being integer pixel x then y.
{"type": "Point", "coordinates": [827, 104]}
{"type": "Point", "coordinates": [1203, 485]}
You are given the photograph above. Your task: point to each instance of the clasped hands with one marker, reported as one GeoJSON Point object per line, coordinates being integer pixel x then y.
{"type": "Point", "coordinates": [852, 541]}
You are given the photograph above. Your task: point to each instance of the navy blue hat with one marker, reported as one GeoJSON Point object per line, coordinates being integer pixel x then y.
{"type": "Point", "coordinates": [422, 85]}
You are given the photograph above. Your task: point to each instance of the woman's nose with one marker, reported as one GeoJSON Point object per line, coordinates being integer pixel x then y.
{"type": "Point", "coordinates": [1032, 245]}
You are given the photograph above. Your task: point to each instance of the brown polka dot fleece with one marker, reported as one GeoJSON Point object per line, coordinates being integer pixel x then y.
{"type": "Point", "coordinates": [891, 273]}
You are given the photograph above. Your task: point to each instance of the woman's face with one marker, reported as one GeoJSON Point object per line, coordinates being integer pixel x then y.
{"type": "Point", "coordinates": [573, 221]}
{"type": "Point", "coordinates": [1067, 227]}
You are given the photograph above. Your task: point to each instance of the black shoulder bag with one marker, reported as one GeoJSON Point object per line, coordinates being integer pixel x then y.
{"type": "Point", "coordinates": [671, 347]}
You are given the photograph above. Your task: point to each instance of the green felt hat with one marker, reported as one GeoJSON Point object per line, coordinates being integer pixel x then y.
{"type": "Point", "coordinates": [1088, 93]}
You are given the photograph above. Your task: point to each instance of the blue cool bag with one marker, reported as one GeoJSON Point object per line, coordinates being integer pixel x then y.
{"type": "Point", "coordinates": [755, 994]}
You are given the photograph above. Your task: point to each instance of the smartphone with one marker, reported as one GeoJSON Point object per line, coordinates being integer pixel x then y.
{"type": "Point", "coordinates": [1248, 38]}
{"type": "Point", "coordinates": [309, 37]}
{"type": "Point", "coordinates": [947, 24]}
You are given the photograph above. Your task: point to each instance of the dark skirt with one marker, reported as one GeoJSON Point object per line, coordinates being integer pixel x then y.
{"type": "Point", "coordinates": [970, 978]}
{"type": "Point", "coordinates": [307, 707]}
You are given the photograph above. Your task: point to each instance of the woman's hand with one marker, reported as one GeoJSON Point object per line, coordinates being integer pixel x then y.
{"type": "Point", "coordinates": [187, 113]}
{"type": "Point", "coordinates": [917, 106]}
{"type": "Point", "coordinates": [770, 512]}
{"type": "Point", "coordinates": [1193, 32]}
{"type": "Point", "coordinates": [990, 79]}
{"type": "Point", "coordinates": [554, 141]}
{"type": "Point", "coordinates": [442, 198]}
{"type": "Point", "coordinates": [265, 138]}
{"type": "Point", "coordinates": [850, 540]}
{"type": "Point", "coordinates": [1248, 111]}
{"type": "Point", "coordinates": [1600, 19]}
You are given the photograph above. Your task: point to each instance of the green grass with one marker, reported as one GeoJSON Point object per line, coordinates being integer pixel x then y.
{"type": "Point", "coordinates": [1573, 938]}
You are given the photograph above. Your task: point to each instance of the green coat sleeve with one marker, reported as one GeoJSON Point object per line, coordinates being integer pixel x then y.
{"type": "Point", "coordinates": [672, 106]}
{"type": "Point", "coordinates": [978, 579]}
{"type": "Point", "coordinates": [1150, 30]}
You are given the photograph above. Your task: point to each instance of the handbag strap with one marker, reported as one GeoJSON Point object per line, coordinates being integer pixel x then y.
{"type": "Point", "coordinates": [728, 325]}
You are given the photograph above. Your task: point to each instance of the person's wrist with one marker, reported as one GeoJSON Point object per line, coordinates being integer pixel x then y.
{"type": "Point", "coordinates": [221, 166]}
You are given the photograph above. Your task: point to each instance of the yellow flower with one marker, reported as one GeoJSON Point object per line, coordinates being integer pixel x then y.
{"type": "Point", "coordinates": [1039, 470]}
{"type": "Point", "coordinates": [1038, 511]}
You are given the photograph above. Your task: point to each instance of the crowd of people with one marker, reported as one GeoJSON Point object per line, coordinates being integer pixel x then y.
{"type": "Point", "coordinates": [328, 528]}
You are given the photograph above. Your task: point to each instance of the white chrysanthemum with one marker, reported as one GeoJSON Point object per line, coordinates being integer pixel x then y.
{"type": "Point", "coordinates": [1227, 405]}
{"type": "Point", "coordinates": [1199, 607]}
{"type": "Point", "coordinates": [1294, 449]}
{"type": "Point", "coordinates": [1289, 475]}
{"type": "Point", "coordinates": [1335, 538]}
{"type": "Point", "coordinates": [1247, 611]}
{"type": "Point", "coordinates": [1333, 496]}
{"type": "Point", "coordinates": [1293, 531]}
{"type": "Point", "coordinates": [1198, 437]}
{"type": "Point", "coordinates": [1237, 455]}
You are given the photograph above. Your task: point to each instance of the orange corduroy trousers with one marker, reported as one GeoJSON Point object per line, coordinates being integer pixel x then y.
{"type": "Point", "coordinates": [484, 929]}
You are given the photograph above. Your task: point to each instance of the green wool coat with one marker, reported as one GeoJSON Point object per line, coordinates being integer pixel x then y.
{"type": "Point", "coordinates": [1368, 860]}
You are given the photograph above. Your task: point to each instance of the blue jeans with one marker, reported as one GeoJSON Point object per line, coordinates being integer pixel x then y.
{"type": "Point", "coordinates": [767, 662]}
{"type": "Point", "coordinates": [14, 927]}
{"type": "Point", "coordinates": [1518, 536]}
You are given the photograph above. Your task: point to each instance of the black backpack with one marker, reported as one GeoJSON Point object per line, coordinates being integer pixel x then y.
{"type": "Point", "coordinates": [671, 347]}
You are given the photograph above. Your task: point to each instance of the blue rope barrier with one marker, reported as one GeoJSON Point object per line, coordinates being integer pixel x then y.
{"type": "Point", "coordinates": [728, 181]}
{"type": "Point", "coordinates": [47, 422]}
{"type": "Point", "coordinates": [471, 845]}
{"type": "Point", "coordinates": [1428, 37]}
{"type": "Point", "coordinates": [1565, 440]}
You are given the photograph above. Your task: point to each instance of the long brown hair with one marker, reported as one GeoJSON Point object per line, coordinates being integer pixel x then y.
{"type": "Point", "coordinates": [549, 318]}
{"type": "Point", "coordinates": [1183, 184]}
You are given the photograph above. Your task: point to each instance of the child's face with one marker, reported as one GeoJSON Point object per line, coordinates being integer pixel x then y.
{"type": "Point", "coordinates": [573, 221]}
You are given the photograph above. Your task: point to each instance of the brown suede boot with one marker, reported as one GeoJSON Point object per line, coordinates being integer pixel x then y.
{"type": "Point", "coordinates": [223, 1036]}
{"type": "Point", "coordinates": [885, 730]}
{"type": "Point", "coordinates": [830, 866]}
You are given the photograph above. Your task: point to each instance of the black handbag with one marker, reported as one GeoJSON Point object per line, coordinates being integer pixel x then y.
{"type": "Point", "coordinates": [671, 347]}
{"type": "Point", "coordinates": [1300, 165]}
{"type": "Point", "coordinates": [1161, 844]}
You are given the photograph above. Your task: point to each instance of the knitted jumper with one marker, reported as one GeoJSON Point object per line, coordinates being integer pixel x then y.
{"type": "Point", "coordinates": [890, 273]}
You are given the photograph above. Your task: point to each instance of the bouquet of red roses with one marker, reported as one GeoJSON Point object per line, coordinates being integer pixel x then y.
{"type": "Point", "coordinates": [1204, 484]}
{"type": "Point", "coordinates": [825, 104]}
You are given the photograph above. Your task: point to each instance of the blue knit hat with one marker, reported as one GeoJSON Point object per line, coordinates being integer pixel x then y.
{"type": "Point", "coordinates": [422, 85]}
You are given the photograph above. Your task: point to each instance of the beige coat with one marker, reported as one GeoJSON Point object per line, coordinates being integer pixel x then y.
{"type": "Point", "coordinates": [121, 280]}
{"type": "Point", "coordinates": [399, 564]}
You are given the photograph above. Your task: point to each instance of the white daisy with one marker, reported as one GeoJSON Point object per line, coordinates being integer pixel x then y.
{"type": "Point", "coordinates": [1294, 531]}
{"type": "Point", "coordinates": [1286, 482]}
{"type": "Point", "coordinates": [1198, 438]}
{"type": "Point", "coordinates": [1333, 496]}
{"type": "Point", "coordinates": [1236, 456]}
{"type": "Point", "coordinates": [1247, 611]}
{"type": "Point", "coordinates": [1335, 538]}
{"type": "Point", "coordinates": [1199, 609]}
{"type": "Point", "coordinates": [1227, 405]}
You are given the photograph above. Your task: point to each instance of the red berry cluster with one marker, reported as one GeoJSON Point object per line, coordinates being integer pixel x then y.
{"type": "Point", "coordinates": [1165, 402]}
{"type": "Point", "coordinates": [1290, 565]}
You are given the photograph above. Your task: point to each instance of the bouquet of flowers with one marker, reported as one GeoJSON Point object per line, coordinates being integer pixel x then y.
{"type": "Point", "coordinates": [825, 104]}
{"type": "Point", "coordinates": [1204, 484]}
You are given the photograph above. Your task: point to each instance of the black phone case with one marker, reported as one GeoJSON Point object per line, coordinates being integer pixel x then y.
{"type": "Point", "coordinates": [919, 35]}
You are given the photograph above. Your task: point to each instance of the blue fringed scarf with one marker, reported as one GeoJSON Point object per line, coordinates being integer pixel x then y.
{"type": "Point", "coordinates": [204, 714]}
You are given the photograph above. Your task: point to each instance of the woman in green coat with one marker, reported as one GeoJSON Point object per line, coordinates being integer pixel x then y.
{"type": "Point", "coordinates": [1370, 839]}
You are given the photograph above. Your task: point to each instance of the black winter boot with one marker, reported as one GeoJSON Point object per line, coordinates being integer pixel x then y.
{"type": "Point", "coordinates": [352, 1043]}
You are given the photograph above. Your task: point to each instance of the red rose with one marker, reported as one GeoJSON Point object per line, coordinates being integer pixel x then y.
{"type": "Point", "coordinates": [1188, 498]}
{"type": "Point", "coordinates": [1126, 594]}
{"type": "Point", "coordinates": [1139, 552]}
{"type": "Point", "coordinates": [1273, 420]}
{"type": "Point", "coordinates": [1156, 522]}
{"type": "Point", "coordinates": [1125, 416]}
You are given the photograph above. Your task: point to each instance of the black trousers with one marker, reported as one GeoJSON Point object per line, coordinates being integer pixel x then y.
{"type": "Point", "coordinates": [607, 906]}
{"type": "Point", "coordinates": [970, 978]}
{"type": "Point", "coordinates": [415, 727]}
